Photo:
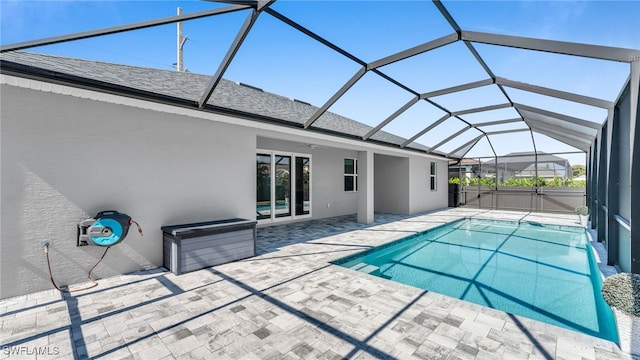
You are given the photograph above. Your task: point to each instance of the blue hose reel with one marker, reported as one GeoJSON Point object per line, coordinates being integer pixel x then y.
{"type": "Point", "coordinates": [106, 229]}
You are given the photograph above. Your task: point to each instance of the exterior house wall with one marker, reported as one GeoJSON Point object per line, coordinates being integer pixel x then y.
{"type": "Point", "coordinates": [328, 197]}
{"type": "Point", "coordinates": [65, 158]}
{"type": "Point", "coordinates": [422, 198]}
{"type": "Point", "coordinates": [391, 183]}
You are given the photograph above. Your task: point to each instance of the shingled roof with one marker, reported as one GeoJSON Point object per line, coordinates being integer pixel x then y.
{"type": "Point", "coordinates": [188, 87]}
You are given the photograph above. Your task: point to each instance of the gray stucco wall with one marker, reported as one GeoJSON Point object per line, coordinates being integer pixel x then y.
{"type": "Point", "coordinates": [328, 197]}
{"type": "Point", "coordinates": [391, 183]}
{"type": "Point", "coordinates": [65, 158]}
{"type": "Point", "coordinates": [422, 198]}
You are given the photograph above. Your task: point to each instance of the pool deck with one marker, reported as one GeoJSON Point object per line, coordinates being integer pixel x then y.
{"type": "Point", "coordinates": [289, 302]}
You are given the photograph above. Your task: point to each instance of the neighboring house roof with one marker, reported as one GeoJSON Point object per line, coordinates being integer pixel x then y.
{"type": "Point", "coordinates": [189, 86]}
{"type": "Point", "coordinates": [522, 160]}
{"type": "Point", "coordinates": [464, 161]}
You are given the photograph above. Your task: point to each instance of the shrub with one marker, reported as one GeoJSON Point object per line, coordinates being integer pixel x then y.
{"type": "Point", "coordinates": [582, 210]}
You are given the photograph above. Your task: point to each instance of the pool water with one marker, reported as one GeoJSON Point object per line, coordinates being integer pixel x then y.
{"type": "Point", "coordinates": [543, 272]}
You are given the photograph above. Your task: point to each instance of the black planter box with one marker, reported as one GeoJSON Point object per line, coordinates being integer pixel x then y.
{"type": "Point", "coordinates": [190, 247]}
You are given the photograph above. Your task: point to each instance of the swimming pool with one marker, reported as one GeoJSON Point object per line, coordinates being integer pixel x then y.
{"type": "Point", "coordinates": [544, 272]}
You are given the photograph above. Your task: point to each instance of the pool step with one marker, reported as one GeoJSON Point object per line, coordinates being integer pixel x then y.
{"type": "Point", "coordinates": [365, 268]}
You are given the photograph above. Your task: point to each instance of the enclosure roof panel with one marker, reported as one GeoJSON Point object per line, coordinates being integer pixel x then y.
{"type": "Point", "coordinates": [432, 69]}
{"type": "Point", "coordinates": [188, 86]}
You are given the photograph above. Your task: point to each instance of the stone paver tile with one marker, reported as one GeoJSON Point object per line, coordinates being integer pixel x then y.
{"type": "Point", "coordinates": [198, 353]}
{"type": "Point", "coordinates": [442, 340]}
{"type": "Point", "coordinates": [475, 327]}
{"type": "Point", "coordinates": [352, 306]}
{"type": "Point", "coordinates": [282, 342]}
{"type": "Point", "coordinates": [464, 351]}
{"type": "Point", "coordinates": [516, 354]}
{"type": "Point", "coordinates": [152, 348]}
{"type": "Point", "coordinates": [572, 349]}
{"type": "Point", "coordinates": [465, 313]}
{"type": "Point", "coordinates": [122, 354]}
{"type": "Point", "coordinates": [343, 348]}
{"type": "Point", "coordinates": [494, 322]}
{"type": "Point", "coordinates": [305, 350]}
{"type": "Point", "coordinates": [113, 324]}
{"type": "Point", "coordinates": [431, 350]}
{"type": "Point", "coordinates": [481, 343]}
{"type": "Point", "coordinates": [487, 355]}
{"type": "Point", "coordinates": [219, 340]}
{"type": "Point", "coordinates": [307, 333]}
{"type": "Point", "coordinates": [182, 344]}
{"type": "Point", "coordinates": [449, 331]}
{"type": "Point", "coordinates": [266, 352]}
{"type": "Point", "coordinates": [602, 354]}
{"type": "Point", "coordinates": [509, 339]}
{"type": "Point", "coordinates": [286, 321]}
{"type": "Point", "coordinates": [94, 330]}
{"type": "Point", "coordinates": [112, 342]}
{"type": "Point", "coordinates": [136, 333]}
{"type": "Point", "coordinates": [329, 355]}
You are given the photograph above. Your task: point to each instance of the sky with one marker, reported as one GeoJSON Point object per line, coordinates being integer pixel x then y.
{"type": "Point", "coordinates": [281, 60]}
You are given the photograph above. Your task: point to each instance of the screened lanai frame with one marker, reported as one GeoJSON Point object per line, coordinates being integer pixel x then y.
{"type": "Point", "coordinates": [573, 131]}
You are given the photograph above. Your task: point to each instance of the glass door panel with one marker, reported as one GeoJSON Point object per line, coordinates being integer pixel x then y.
{"type": "Point", "coordinates": [283, 185]}
{"type": "Point", "coordinates": [263, 191]}
{"type": "Point", "coordinates": [303, 204]}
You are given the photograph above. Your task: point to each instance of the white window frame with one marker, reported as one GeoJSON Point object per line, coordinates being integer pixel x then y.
{"type": "Point", "coordinates": [433, 177]}
{"type": "Point", "coordinates": [354, 175]}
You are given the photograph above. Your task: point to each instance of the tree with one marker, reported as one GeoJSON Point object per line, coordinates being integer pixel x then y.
{"type": "Point", "coordinates": [578, 170]}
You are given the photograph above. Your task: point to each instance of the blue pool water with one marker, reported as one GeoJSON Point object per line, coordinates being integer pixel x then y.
{"type": "Point", "coordinates": [543, 272]}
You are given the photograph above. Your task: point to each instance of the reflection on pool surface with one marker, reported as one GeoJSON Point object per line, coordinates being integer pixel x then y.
{"type": "Point", "coordinates": [544, 272]}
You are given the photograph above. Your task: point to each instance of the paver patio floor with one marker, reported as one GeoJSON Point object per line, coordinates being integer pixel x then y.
{"type": "Point", "coordinates": [288, 302]}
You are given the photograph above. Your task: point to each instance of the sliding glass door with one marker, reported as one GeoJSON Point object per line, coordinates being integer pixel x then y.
{"type": "Point", "coordinates": [303, 191]}
{"type": "Point", "coordinates": [263, 196]}
{"type": "Point", "coordinates": [283, 186]}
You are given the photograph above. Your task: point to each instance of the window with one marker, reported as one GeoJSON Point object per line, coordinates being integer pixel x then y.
{"type": "Point", "coordinates": [432, 176]}
{"type": "Point", "coordinates": [350, 175]}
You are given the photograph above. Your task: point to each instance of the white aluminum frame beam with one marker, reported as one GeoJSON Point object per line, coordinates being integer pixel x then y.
{"type": "Point", "coordinates": [397, 113]}
{"type": "Point", "coordinates": [497, 122]}
{"type": "Point", "coordinates": [122, 28]}
{"type": "Point", "coordinates": [425, 130]}
{"type": "Point", "coordinates": [453, 136]}
{"type": "Point", "coordinates": [313, 35]}
{"type": "Point", "coordinates": [553, 46]}
{"type": "Point", "coordinates": [359, 74]}
{"type": "Point", "coordinates": [556, 93]}
{"type": "Point", "coordinates": [481, 109]}
{"type": "Point", "coordinates": [500, 132]}
{"type": "Point", "coordinates": [457, 88]}
{"type": "Point", "coordinates": [455, 114]}
{"type": "Point", "coordinates": [473, 51]}
{"type": "Point", "coordinates": [473, 141]}
{"type": "Point", "coordinates": [231, 53]}
{"type": "Point", "coordinates": [428, 46]}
